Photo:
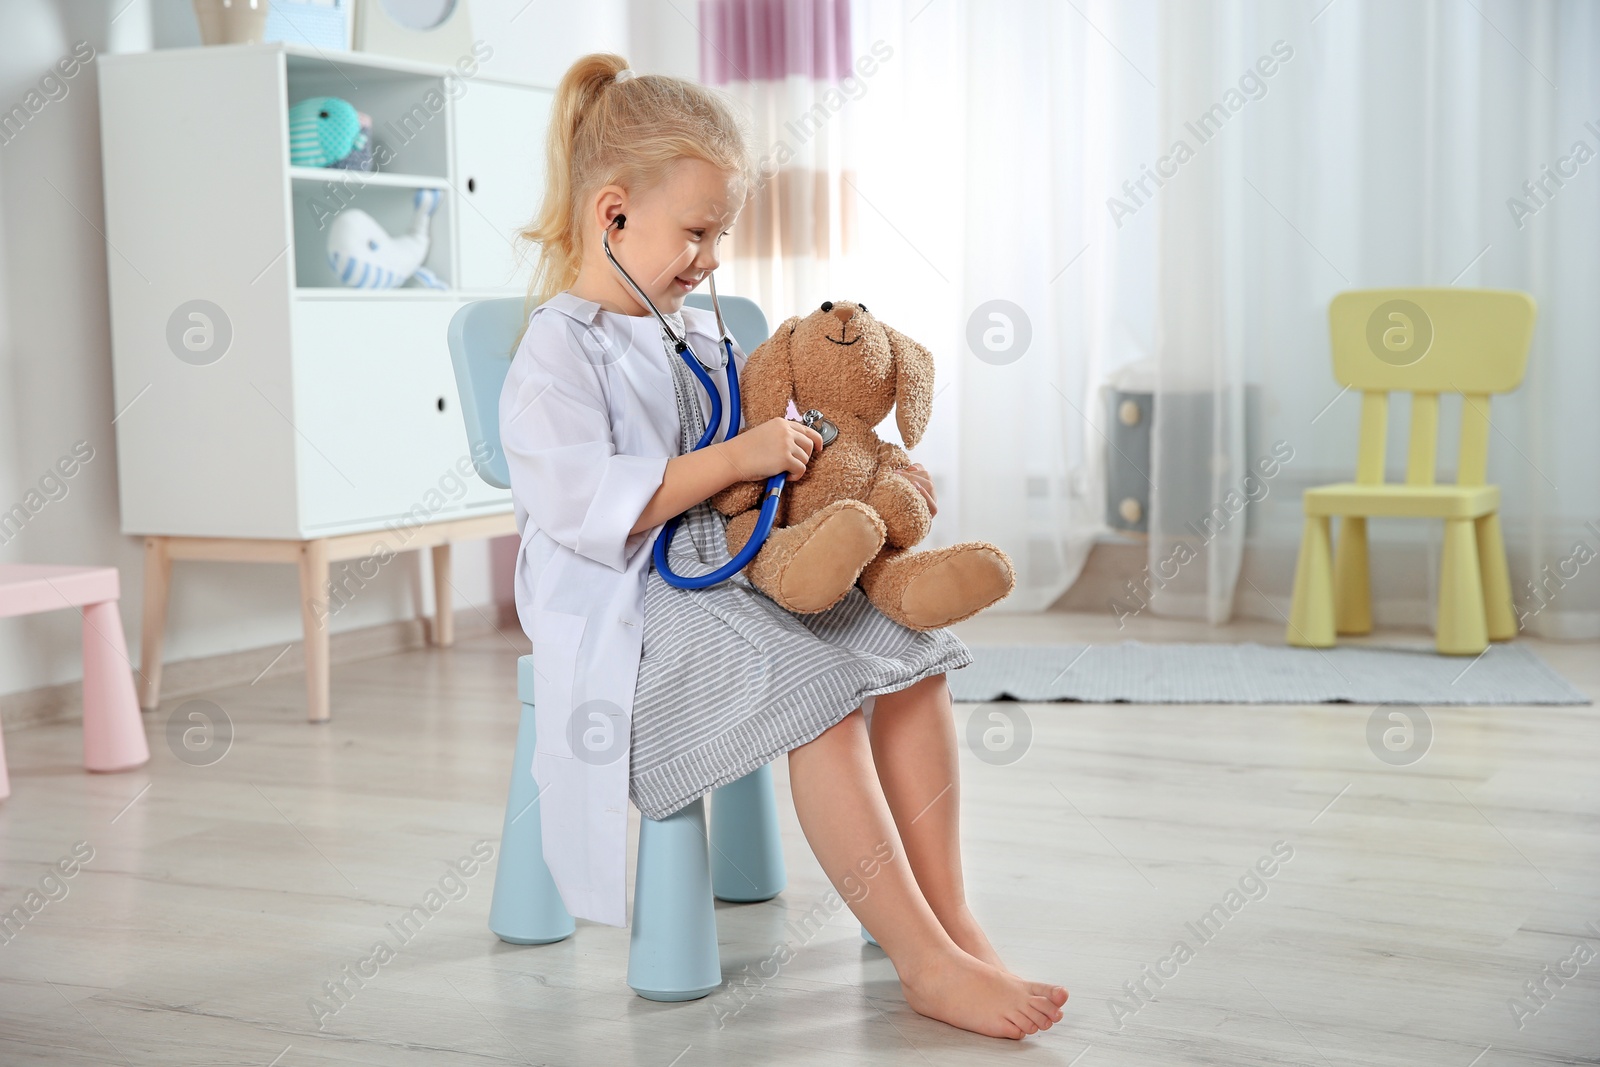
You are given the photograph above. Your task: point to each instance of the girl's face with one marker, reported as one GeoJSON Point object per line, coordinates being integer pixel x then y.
{"type": "Point", "coordinates": [669, 242]}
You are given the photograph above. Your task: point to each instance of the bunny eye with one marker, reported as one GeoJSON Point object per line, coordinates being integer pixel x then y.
{"type": "Point", "coordinates": [827, 305]}
{"type": "Point", "coordinates": [863, 307]}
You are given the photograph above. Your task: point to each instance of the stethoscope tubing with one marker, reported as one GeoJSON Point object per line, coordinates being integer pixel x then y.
{"type": "Point", "coordinates": [774, 487]}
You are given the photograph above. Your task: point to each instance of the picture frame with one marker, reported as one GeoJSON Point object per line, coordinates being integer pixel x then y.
{"type": "Point", "coordinates": [429, 31]}
{"type": "Point", "coordinates": [321, 24]}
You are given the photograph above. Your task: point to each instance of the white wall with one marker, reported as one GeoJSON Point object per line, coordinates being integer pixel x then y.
{"type": "Point", "coordinates": [664, 37]}
{"type": "Point", "coordinates": [55, 357]}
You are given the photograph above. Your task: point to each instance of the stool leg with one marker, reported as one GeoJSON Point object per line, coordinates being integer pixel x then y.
{"type": "Point", "coordinates": [1463, 630]}
{"type": "Point", "coordinates": [113, 733]}
{"type": "Point", "coordinates": [1352, 584]}
{"type": "Point", "coordinates": [526, 908]}
{"type": "Point", "coordinates": [672, 954]}
{"type": "Point", "coordinates": [1500, 614]}
{"type": "Point", "coordinates": [746, 852]}
{"type": "Point", "coordinates": [1311, 614]}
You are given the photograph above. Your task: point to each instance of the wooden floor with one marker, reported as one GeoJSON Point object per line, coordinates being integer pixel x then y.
{"type": "Point", "coordinates": [1417, 903]}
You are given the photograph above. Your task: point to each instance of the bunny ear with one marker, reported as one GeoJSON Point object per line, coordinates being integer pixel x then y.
{"type": "Point", "coordinates": [767, 382]}
{"type": "Point", "coordinates": [913, 386]}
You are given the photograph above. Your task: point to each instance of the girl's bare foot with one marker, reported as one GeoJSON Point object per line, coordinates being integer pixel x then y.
{"type": "Point", "coordinates": [964, 930]}
{"type": "Point", "coordinates": [957, 989]}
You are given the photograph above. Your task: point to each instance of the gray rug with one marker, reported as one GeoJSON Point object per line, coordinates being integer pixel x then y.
{"type": "Point", "coordinates": [1137, 673]}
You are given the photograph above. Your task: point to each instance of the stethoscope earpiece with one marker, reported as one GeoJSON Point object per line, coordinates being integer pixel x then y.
{"type": "Point", "coordinates": [679, 341]}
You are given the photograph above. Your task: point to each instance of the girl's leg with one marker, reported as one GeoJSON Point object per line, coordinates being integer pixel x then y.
{"type": "Point", "coordinates": [914, 747]}
{"type": "Point", "coordinates": [850, 828]}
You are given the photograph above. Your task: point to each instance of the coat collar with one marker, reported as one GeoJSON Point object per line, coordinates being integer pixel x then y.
{"type": "Point", "coordinates": [584, 311]}
{"type": "Point", "coordinates": [588, 311]}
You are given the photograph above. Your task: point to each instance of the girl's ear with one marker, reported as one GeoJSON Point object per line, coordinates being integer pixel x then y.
{"type": "Point", "coordinates": [913, 386]}
{"type": "Point", "coordinates": [767, 382]}
{"type": "Point", "coordinates": [608, 204]}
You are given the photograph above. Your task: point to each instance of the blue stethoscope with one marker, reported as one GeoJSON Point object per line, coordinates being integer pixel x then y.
{"type": "Point", "coordinates": [774, 488]}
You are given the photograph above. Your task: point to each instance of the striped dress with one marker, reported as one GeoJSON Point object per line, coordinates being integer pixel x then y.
{"type": "Point", "coordinates": [728, 680]}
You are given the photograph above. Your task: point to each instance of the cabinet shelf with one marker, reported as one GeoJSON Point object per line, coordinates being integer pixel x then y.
{"type": "Point", "coordinates": [339, 292]}
{"type": "Point", "coordinates": [383, 179]}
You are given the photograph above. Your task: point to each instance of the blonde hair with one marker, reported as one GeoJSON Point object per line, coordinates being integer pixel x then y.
{"type": "Point", "coordinates": [629, 133]}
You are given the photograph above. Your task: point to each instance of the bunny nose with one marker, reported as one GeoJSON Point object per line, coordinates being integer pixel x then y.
{"type": "Point", "coordinates": [843, 312]}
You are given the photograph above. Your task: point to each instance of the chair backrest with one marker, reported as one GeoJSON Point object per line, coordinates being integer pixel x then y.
{"type": "Point", "coordinates": [1426, 342]}
{"type": "Point", "coordinates": [483, 338]}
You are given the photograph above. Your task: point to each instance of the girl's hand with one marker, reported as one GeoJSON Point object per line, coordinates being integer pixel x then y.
{"type": "Point", "coordinates": [777, 446]}
{"type": "Point", "coordinates": [918, 476]}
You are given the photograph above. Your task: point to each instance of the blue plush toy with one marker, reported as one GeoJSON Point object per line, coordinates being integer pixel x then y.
{"type": "Point", "coordinates": [325, 131]}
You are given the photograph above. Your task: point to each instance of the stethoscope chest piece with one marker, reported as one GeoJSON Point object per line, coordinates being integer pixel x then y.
{"type": "Point", "coordinates": [813, 418]}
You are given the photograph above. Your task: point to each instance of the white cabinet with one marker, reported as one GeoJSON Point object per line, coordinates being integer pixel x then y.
{"type": "Point", "coordinates": [315, 410]}
{"type": "Point", "coordinates": [500, 145]}
{"type": "Point", "coordinates": [390, 469]}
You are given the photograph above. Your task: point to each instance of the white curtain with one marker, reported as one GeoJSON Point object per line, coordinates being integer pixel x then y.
{"type": "Point", "coordinates": [789, 65]}
{"type": "Point", "coordinates": [1191, 194]}
{"type": "Point", "coordinates": [1012, 196]}
{"type": "Point", "coordinates": [1389, 146]}
{"type": "Point", "coordinates": [986, 141]}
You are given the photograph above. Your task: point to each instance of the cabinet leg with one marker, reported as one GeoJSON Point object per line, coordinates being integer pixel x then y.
{"type": "Point", "coordinates": [314, 620]}
{"type": "Point", "coordinates": [444, 630]}
{"type": "Point", "coordinates": [153, 631]}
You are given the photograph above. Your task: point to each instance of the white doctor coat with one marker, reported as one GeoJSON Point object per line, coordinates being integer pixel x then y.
{"type": "Point", "coordinates": [588, 420]}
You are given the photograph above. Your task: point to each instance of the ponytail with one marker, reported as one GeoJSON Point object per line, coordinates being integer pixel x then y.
{"type": "Point", "coordinates": [556, 228]}
{"type": "Point", "coordinates": [605, 132]}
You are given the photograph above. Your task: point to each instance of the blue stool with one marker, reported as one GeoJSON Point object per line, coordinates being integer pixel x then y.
{"type": "Point", "coordinates": [672, 953]}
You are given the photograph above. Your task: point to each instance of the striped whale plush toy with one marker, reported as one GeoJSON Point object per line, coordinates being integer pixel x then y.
{"type": "Point", "coordinates": [364, 256]}
{"type": "Point", "coordinates": [325, 131]}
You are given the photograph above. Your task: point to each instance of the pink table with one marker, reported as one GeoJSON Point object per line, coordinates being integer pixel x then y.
{"type": "Point", "coordinates": [113, 734]}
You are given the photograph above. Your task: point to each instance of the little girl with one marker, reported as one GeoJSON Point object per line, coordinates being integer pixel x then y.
{"type": "Point", "coordinates": [698, 688]}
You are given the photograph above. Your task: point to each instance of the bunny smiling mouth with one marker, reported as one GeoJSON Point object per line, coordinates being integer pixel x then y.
{"type": "Point", "coordinates": [845, 344]}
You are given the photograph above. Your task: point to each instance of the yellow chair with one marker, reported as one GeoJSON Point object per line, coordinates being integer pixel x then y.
{"type": "Point", "coordinates": [1425, 342]}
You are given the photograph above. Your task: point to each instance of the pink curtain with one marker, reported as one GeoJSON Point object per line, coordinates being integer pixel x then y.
{"type": "Point", "coordinates": [791, 66]}
{"type": "Point", "coordinates": [767, 40]}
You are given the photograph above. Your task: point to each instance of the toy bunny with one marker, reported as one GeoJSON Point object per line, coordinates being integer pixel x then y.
{"type": "Point", "coordinates": [852, 516]}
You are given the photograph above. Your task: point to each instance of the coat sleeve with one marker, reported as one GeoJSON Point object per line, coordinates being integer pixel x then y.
{"type": "Point", "coordinates": [565, 469]}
